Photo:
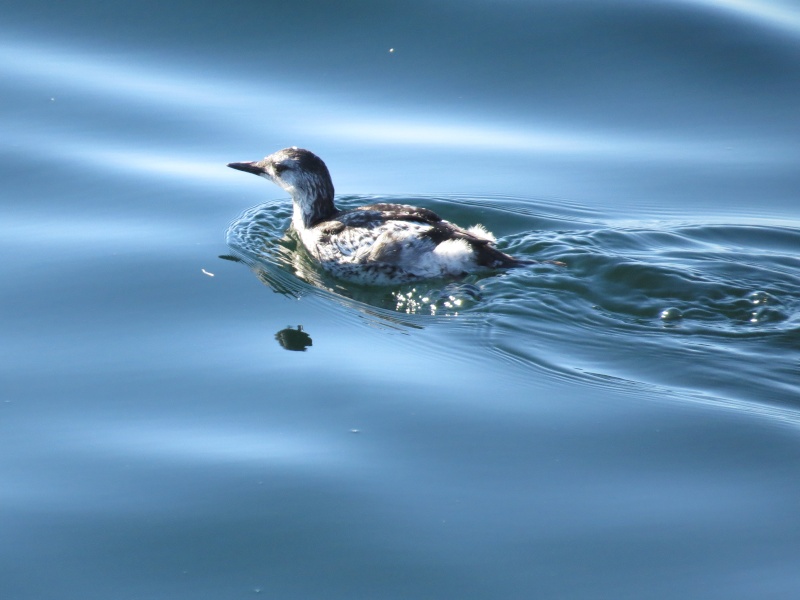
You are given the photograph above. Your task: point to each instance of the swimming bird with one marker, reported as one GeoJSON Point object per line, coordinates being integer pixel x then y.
{"type": "Point", "coordinates": [379, 243]}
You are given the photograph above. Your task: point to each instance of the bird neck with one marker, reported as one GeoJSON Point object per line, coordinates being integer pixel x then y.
{"type": "Point", "coordinates": [312, 208]}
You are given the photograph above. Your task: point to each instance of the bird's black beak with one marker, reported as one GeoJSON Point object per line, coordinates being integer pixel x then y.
{"type": "Point", "coordinates": [247, 167]}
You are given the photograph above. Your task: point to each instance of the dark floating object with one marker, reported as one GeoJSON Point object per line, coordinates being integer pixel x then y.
{"type": "Point", "coordinates": [295, 340]}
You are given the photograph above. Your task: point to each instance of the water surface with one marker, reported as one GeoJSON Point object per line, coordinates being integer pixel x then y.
{"type": "Point", "coordinates": [179, 425]}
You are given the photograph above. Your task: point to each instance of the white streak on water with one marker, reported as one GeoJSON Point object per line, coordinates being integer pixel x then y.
{"type": "Point", "coordinates": [773, 14]}
{"type": "Point", "coordinates": [62, 67]}
{"type": "Point", "coordinates": [210, 100]}
{"type": "Point", "coordinates": [200, 446]}
{"type": "Point", "coordinates": [34, 230]}
{"type": "Point", "coordinates": [580, 145]}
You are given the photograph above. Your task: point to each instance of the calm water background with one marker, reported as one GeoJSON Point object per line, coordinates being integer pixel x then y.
{"type": "Point", "coordinates": [544, 433]}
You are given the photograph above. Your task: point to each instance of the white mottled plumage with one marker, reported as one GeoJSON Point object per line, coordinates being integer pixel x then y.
{"type": "Point", "coordinates": [378, 243]}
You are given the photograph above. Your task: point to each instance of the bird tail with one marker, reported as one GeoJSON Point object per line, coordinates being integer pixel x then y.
{"type": "Point", "coordinates": [487, 255]}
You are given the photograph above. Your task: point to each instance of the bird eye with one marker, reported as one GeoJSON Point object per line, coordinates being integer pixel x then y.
{"type": "Point", "coordinates": [279, 168]}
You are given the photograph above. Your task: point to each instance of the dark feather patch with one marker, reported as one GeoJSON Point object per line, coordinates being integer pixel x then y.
{"type": "Point", "coordinates": [403, 212]}
{"type": "Point", "coordinates": [375, 215]}
{"type": "Point", "coordinates": [372, 215]}
{"type": "Point", "coordinates": [331, 227]}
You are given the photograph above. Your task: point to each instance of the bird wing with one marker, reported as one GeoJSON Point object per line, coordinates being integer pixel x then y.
{"type": "Point", "coordinates": [343, 231]}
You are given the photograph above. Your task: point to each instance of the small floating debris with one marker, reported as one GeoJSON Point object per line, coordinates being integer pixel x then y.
{"type": "Point", "coordinates": [765, 308]}
{"type": "Point", "coordinates": [207, 273]}
{"type": "Point", "coordinates": [767, 314]}
{"type": "Point", "coordinates": [671, 314]}
{"type": "Point", "coordinates": [760, 298]}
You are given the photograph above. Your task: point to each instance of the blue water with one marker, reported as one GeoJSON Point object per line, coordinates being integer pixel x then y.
{"type": "Point", "coordinates": [191, 409]}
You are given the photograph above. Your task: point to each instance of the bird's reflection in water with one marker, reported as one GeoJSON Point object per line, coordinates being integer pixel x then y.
{"type": "Point", "coordinates": [260, 240]}
{"type": "Point", "coordinates": [287, 271]}
{"type": "Point", "coordinates": [296, 340]}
